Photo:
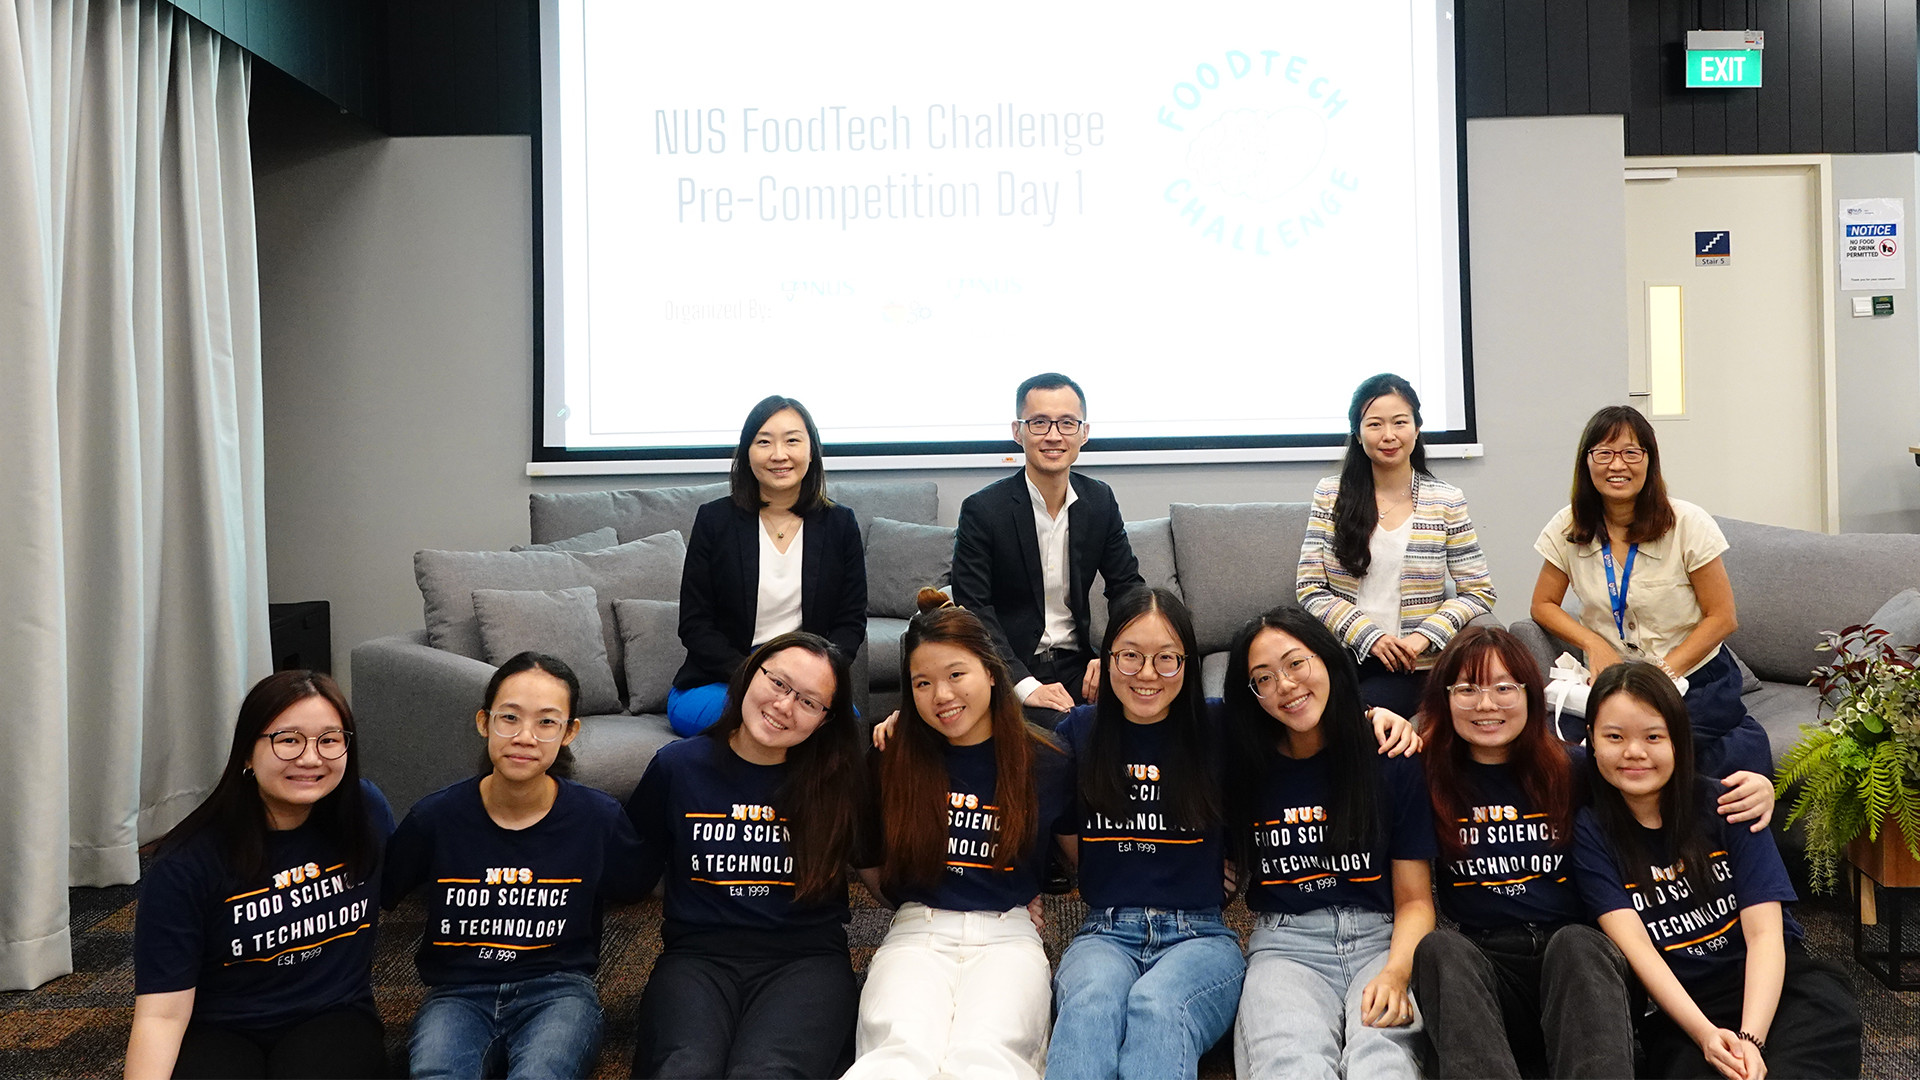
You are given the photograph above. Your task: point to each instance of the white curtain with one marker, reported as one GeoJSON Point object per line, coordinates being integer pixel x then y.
{"type": "Point", "coordinates": [133, 610]}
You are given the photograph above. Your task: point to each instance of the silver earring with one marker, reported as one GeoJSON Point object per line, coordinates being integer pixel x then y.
{"type": "Point", "coordinates": [246, 770]}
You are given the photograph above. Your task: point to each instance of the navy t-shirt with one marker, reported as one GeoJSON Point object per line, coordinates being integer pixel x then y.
{"type": "Point", "coordinates": [1144, 860]}
{"type": "Point", "coordinates": [972, 883]}
{"type": "Point", "coordinates": [505, 905]}
{"type": "Point", "coordinates": [1696, 928]}
{"type": "Point", "coordinates": [1515, 867]}
{"type": "Point", "coordinates": [292, 943]}
{"type": "Point", "coordinates": [1297, 872]}
{"type": "Point", "coordinates": [707, 817]}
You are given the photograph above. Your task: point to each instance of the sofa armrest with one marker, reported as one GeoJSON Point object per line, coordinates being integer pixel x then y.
{"type": "Point", "coordinates": [1545, 647]}
{"type": "Point", "coordinates": [413, 706]}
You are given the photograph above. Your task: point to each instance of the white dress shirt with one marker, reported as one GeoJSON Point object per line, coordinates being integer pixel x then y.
{"type": "Point", "coordinates": [1057, 632]}
{"type": "Point", "coordinates": [776, 608]}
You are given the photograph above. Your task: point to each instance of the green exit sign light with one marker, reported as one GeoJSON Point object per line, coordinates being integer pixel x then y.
{"type": "Point", "coordinates": [1723, 70]}
{"type": "Point", "coordinates": [1724, 59]}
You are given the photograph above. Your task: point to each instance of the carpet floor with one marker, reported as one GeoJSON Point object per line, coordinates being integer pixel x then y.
{"type": "Point", "coordinates": [76, 1026]}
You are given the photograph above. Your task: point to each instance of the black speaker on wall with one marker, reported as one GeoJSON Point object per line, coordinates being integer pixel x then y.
{"type": "Point", "coordinates": [302, 636]}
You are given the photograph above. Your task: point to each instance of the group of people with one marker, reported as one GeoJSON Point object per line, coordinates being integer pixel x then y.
{"type": "Point", "coordinates": [1619, 903]}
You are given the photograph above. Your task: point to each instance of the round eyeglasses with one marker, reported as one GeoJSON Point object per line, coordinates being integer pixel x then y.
{"type": "Point", "coordinates": [1631, 455]}
{"type": "Point", "coordinates": [1503, 693]}
{"type": "Point", "coordinates": [507, 725]}
{"type": "Point", "coordinates": [1166, 664]}
{"type": "Point", "coordinates": [1266, 684]}
{"type": "Point", "coordinates": [289, 744]}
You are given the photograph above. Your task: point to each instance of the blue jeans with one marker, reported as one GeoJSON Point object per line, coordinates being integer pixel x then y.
{"type": "Point", "coordinates": [693, 710]}
{"type": "Point", "coordinates": [1300, 1009]}
{"type": "Point", "coordinates": [1143, 992]}
{"type": "Point", "coordinates": [546, 1026]}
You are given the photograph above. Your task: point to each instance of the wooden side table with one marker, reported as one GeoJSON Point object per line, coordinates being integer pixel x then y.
{"type": "Point", "coordinates": [1884, 876]}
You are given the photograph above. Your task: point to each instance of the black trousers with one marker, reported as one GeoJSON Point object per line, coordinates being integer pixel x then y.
{"type": "Point", "coordinates": [704, 1015]}
{"type": "Point", "coordinates": [1396, 690]}
{"type": "Point", "coordinates": [1069, 669]}
{"type": "Point", "coordinates": [1525, 1001]}
{"type": "Point", "coordinates": [341, 1043]}
{"type": "Point", "coordinates": [1815, 1032]}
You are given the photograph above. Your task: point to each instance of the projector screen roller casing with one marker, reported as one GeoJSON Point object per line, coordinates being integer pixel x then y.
{"type": "Point", "coordinates": [1218, 218]}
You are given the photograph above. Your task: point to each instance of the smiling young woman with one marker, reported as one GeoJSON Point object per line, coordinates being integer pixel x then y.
{"type": "Point", "coordinates": [970, 799]}
{"type": "Point", "coordinates": [753, 825]}
{"type": "Point", "coordinates": [1383, 539]}
{"type": "Point", "coordinates": [231, 895]}
{"type": "Point", "coordinates": [522, 863]}
{"type": "Point", "coordinates": [775, 555]}
{"type": "Point", "coordinates": [1697, 904]}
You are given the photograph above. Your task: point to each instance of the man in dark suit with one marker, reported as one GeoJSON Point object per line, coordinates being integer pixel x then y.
{"type": "Point", "coordinates": [1028, 546]}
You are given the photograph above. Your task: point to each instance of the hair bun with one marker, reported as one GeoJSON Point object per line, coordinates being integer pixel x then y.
{"type": "Point", "coordinates": [931, 599]}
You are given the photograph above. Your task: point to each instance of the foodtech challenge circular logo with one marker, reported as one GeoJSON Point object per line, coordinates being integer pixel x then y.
{"type": "Point", "coordinates": [1255, 138]}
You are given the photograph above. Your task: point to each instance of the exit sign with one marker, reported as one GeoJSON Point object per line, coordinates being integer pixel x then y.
{"type": "Point", "coordinates": [1718, 69]}
{"type": "Point", "coordinates": [1724, 59]}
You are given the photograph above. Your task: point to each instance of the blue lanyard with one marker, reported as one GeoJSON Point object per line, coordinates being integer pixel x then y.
{"type": "Point", "coordinates": [1617, 592]}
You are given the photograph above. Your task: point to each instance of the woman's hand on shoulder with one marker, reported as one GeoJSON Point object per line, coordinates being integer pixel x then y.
{"type": "Point", "coordinates": [883, 730]}
{"type": "Point", "coordinates": [1396, 734]}
{"type": "Point", "coordinates": [1599, 659]}
{"type": "Point", "coordinates": [1749, 797]}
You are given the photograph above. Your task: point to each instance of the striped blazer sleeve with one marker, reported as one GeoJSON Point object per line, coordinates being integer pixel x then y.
{"type": "Point", "coordinates": [1449, 548]}
{"type": "Point", "coordinates": [1323, 586]}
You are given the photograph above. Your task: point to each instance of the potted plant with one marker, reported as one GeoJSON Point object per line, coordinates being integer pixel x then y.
{"type": "Point", "coordinates": [1860, 766]}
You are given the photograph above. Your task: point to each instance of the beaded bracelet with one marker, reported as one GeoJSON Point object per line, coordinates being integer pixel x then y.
{"type": "Point", "coordinates": [1757, 1042]}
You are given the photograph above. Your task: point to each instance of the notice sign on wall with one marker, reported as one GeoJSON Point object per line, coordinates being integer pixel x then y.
{"type": "Point", "coordinates": [1870, 240]}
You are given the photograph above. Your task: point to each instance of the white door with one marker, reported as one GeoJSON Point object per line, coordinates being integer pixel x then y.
{"type": "Point", "coordinates": [1728, 359]}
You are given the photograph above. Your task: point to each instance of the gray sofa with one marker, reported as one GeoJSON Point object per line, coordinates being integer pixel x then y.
{"type": "Point", "coordinates": [1229, 562]}
{"type": "Point", "coordinates": [1789, 585]}
{"type": "Point", "coordinates": [415, 694]}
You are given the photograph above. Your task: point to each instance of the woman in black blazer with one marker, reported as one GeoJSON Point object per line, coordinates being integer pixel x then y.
{"type": "Point", "coordinates": [774, 556]}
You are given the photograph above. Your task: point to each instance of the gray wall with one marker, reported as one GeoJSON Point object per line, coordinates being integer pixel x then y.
{"type": "Point", "coordinates": [396, 293]}
{"type": "Point", "coordinates": [1878, 370]}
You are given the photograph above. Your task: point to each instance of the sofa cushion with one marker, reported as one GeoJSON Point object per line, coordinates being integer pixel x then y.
{"type": "Point", "coordinates": [1749, 682]}
{"type": "Point", "coordinates": [883, 651]}
{"type": "Point", "coordinates": [562, 623]}
{"type": "Point", "coordinates": [916, 501]}
{"type": "Point", "coordinates": [650, 638]}
{"type": "Point", "coordinates": [1781, 709]}
{"type": "Point", "coordinates": [1900, 618]}
{"type": "Point", "coordinates": [901, 558]}
{"type": "Point", "coordinates": [632, 512]}
{"type": "Point", "coordinates": [1236, 561]}
{"type": "Point", "coordinates": [596, 540]}
{"type": "Point", "coordinates": [612, 752]}
{"type": "Point", "coordinates": [642, 569]}
{"type": "Point", "coordinates": [1152, 543]}
{"type": "Point", "coordinates": [1789, 585]}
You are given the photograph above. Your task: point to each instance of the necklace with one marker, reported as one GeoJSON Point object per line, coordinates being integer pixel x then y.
{"type": "Point", "coordinates": [1382, 503]}
{"type": "Point", "coordinates": [779, 531]}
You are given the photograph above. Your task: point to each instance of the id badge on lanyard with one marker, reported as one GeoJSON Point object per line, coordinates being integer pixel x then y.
{"type": "Point", "coordinates": [1617, 590]}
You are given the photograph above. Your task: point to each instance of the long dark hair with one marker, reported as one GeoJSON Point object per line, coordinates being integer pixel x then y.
{"type": "Point", "coordinates": [1536, 756]}
{"type": "Point", "coordinates": [824, 787]}
{"type": "Point", "coordinates": [1253, 736]}
{"type": "Point", "coordinates": [1652, 512]}
{"type": "Point", "coordinates": [1683, 825]}
{"type": "Point", "coordinates": [1354, 513]}
{"type": "Point", "coordinates": [236, 816]}
{"type": "Point", "coordinates": [913, 769]}
{"type": "Point", "coordinates": [552, 665]}
{"type": "Point", "coordinates": [813, 483]}
{"type": "Point", "coordinates": [1188, 786]}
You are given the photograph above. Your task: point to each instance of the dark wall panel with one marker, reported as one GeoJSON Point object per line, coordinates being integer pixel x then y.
{"type": "Point", "coordinates": [1840, 74]}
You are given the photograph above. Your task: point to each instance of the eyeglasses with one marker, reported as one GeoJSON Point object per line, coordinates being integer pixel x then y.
{"type": "Point", "coordinates": [1505, 693]}
{"type": "Point", "coordinates": [508, 724]}
{"type": "Point", "coordinates": [1631, 455]}
{"type": "Point", "coordinates": [1166, 664]}
{"type": "Point", "coordinates": [1040, 425]}
{"type": "Point", "coordinates": [1267, 683]}
{"type": "Point", "coordinates": [808, 707]}
{"type": "Point", "coordinates": [289, 744]}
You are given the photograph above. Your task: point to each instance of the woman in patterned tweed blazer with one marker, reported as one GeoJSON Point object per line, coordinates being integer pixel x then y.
{"type": "Point", "coordinates": [1383, 538]}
